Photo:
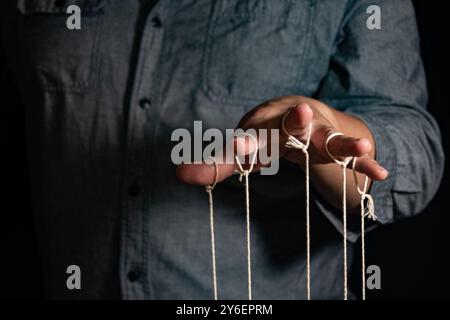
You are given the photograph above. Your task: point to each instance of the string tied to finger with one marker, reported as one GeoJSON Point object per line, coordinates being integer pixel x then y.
{"type": "Point", "coordinates": [343, 163]}
{"type": "Point", "coordinates": [244, 174]}
{"type": "Point", "coordinates": [368, 211]}
{"type": "Point", "coordinates": [209, 188]}
{"type": "Point", "coordinates": [293, 143]}
{"type": "Point", "coordinates": [366, 199]}
{"type": "Point", "coordinates": [241, 171]}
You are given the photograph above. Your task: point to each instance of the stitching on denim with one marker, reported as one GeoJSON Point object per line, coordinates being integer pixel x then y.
{"type": "Point", "coordinates": [206, 47]}
{"type": "Point", "coordinates": [307, 47]}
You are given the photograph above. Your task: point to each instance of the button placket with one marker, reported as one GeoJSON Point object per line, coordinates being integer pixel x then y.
{"type": "Point", "coordinates": [135, 239]}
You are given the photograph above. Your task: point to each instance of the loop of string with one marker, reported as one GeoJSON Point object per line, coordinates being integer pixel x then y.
{"type": "Point", "coordinates": [244, 174]}
{"type": "Point", "coordinates": [294, 143]}
{"type": "Point", "coordinates": [366, 211]}
{"type": "Point", "coordinates": [343, 163]}
{"type": "Point", "coordinates": [209, 189]}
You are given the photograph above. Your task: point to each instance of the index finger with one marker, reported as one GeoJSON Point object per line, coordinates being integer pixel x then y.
{"type": "Point", "coordinates": [298, 120]}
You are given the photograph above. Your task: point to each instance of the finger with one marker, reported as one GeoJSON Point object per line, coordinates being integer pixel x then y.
{"type": "Point", "coordinates": [371, 168]}
{"type": "Point", "coordinates": [344, 146]}
{"type": "Point", "coordinates": [298, 120]}
{"type": "Point", "coordinates": [245, 144]}
{"type": "Point", "coordinates": [205, 173]}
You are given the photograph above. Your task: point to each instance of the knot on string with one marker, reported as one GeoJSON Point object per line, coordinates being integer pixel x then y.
{"type": "Point", "coordinates": [369, 210]}
{"type": "Point", "coordinates": [366, 199]}
{"type": "Point", "coordinates": [242, 173]}
{"type": "Point", "coordinates": [292, 142]}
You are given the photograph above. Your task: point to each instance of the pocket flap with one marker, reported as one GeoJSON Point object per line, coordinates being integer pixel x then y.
{"type": "Point", "coordinates": [58, 6]}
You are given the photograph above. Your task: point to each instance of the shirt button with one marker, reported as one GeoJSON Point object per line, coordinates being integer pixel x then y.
{"type": "Point", "coordinates": [134, 189]}
{"type": "Point", "coordinates": [145, 103]}
{"type": "Point", "coordinates": [134, 275]}
{"type": "Point", "coordinates": [156, 22]}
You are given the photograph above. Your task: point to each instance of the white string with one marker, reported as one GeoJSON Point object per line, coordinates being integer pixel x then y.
{"type": "Point", "coordinates": [366, 211]}
{"type": "Point", "coordinates": [343, 164]}
{"type": "Point", "coordinates": [245, 173]}
{"type": "Point", "coordinates": [294, 143]}
{"type": "Point", "coordinates": [209, 189]}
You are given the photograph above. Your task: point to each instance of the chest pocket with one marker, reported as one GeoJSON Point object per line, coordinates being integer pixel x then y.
{"type": "Point", "coordinates": [55, 57]}
{"type": "Point", "coordinates": [255, 49]}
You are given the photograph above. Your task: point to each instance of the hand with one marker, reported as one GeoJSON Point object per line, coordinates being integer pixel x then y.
{"type": "Point", "coordinates": [357, 140]}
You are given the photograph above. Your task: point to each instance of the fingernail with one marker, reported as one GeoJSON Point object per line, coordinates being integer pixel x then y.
{"type": "Point", "coordinates": [381, 169]}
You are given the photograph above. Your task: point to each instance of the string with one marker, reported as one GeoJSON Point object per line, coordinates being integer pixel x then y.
{"type": "Point", "coordinates": [245, 174]}
{"type": "Point", "coordinates": [366, 211]}
{"type": "Point", "coordinates": [294, 143]}
{"type": "Point", "coordinates": [343, 164]}
{"type": "Point", "coordinates": [209, 189]}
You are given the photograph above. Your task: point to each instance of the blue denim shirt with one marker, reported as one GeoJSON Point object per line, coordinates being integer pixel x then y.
{"type": "Point", "coordinates": [101, 103]}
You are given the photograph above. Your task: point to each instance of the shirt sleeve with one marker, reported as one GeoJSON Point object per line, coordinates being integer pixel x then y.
{"type": "Point", "coordinates": [378, 76]}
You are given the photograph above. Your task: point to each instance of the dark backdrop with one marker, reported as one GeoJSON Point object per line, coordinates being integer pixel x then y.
{"type": "Point", "coordinates": [413, 255]}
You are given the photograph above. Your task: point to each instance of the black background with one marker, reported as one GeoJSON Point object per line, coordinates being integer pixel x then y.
{"type": "Point", "coordinates": [413, 255]}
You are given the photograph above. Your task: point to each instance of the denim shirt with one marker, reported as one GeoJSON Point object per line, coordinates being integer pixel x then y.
{"type": "Point", "coordinates": [101, 104]}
